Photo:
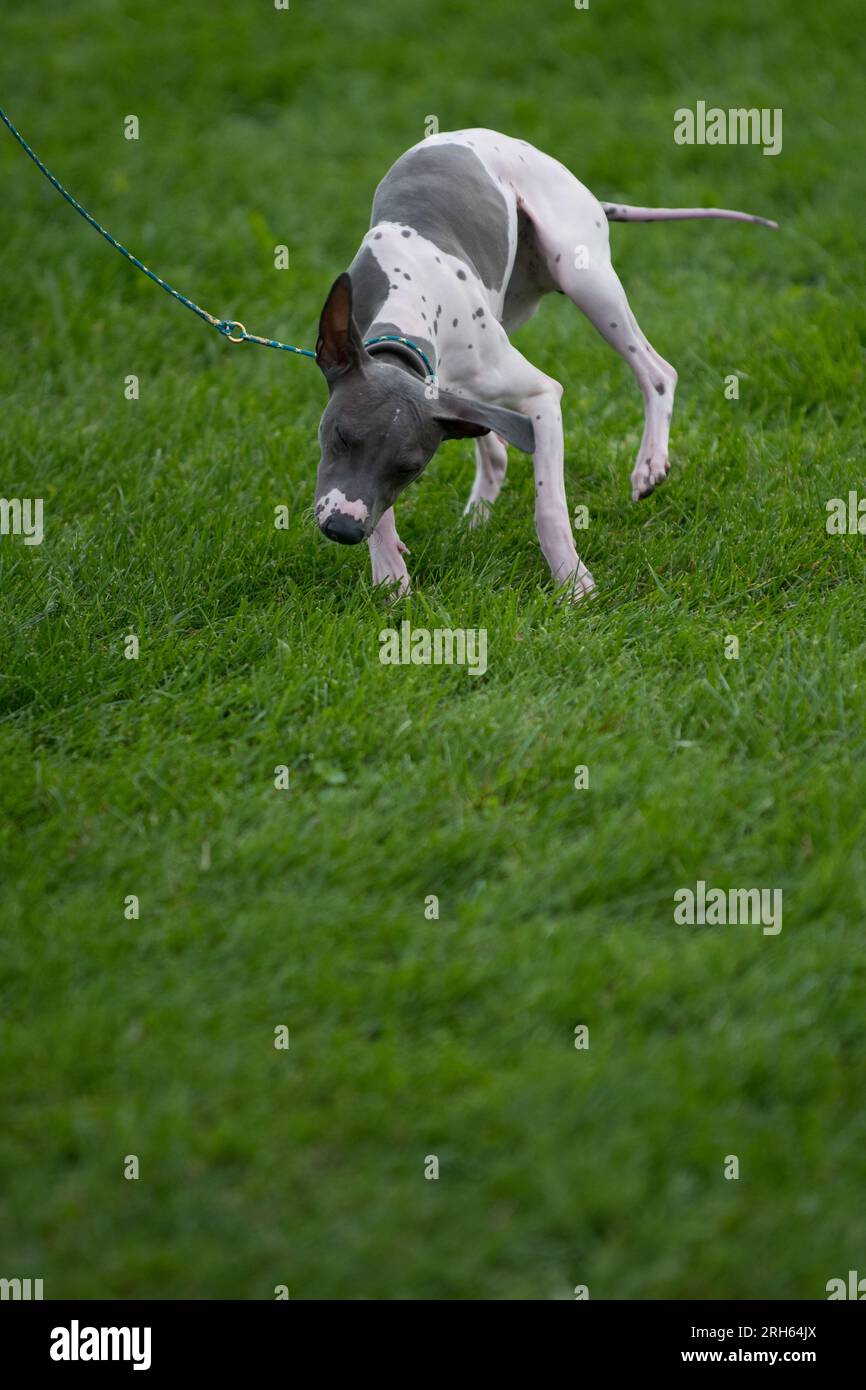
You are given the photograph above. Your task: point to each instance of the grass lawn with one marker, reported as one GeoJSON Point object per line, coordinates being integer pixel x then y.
{"type": "Point", "coordinates": [259, 647]}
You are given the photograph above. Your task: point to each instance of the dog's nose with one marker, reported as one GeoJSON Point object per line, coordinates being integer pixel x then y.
{"type": "Point", "coordinates": [342, 528]}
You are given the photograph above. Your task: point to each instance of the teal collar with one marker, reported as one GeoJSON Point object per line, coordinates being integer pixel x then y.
{"type": "Point", "coordinates": [407, 342]}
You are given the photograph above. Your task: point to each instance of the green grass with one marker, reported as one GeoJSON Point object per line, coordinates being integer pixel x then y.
{"type": "Point", "coordinates": [260, 647]}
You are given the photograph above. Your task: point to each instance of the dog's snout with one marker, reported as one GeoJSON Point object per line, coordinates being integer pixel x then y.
{"type": "Point", "coordinates": [342, 528]}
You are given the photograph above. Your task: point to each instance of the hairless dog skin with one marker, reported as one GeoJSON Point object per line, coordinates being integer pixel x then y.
{"type": "Point", "coordinates": [469, 231]}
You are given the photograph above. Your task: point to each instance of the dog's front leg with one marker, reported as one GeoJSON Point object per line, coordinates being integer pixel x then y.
{"type": "Point", "coordinates": [491, 461]}
{"type": "Point", "coordinates": [386, 556]}
{"type": "Point", "coordinates": [509, 379]}
{"type": "Point", "coordinates": [552, 520]}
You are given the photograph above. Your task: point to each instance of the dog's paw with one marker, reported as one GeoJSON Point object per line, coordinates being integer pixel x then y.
{"type": "Point", "coordinates": [578, 586]}
{"type": "Point", "coordinates": [478, 513]}
{"type": "Point", "coordinates": [583, 587]}
{"type": "Point", "coordinates": [648, 473]}
{"type": "Point", "coordinates": [392, 587]}
{"type": "Point", "coordinates": [390, 575]}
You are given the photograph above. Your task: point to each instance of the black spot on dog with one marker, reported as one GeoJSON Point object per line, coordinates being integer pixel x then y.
{"type": "Point", "coordinates": [406, 277]}
{"type": "Point", "coordinates": [632, 348]}
{"type": "Point", "coordinates": [454, 324]}
{"type": "Point", "coordinates": [613, 325]}
{"type": "Point", "coordinates": [461, 275]}
{"type": "Point", "coordinates": [660, 387]}
{"type": "Point", "coordinates": [409, 233]}
{"type": "Point", "coordinates": [378, 236]}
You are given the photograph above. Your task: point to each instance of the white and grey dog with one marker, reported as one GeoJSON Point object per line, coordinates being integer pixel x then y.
{"type": "Point", "coordinates": [469, 230]}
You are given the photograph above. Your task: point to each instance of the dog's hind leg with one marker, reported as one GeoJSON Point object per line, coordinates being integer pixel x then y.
{"type": "Point", "coordinates": [598, 292]}
{"type": "Point", "coordinates": [572, 235]}
{"type": "Point", "coordinates": [491, 461]}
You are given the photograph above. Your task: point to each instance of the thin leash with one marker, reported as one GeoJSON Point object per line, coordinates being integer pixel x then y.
{"type": "Point", "coordinates": [230, 329]}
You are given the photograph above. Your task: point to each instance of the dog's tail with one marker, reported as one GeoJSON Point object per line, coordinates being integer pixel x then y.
{"type": "Point", "coordinates": [620, 212]}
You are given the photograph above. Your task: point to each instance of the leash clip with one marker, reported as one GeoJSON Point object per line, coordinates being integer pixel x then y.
{"type": "Point", "coordinates": [233, 323]}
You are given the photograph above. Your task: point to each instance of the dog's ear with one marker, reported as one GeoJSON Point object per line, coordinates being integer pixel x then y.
{"type": "Point", "coordinates": [339, 346]}
{"type": "Point", "coordinates": [464, 419]}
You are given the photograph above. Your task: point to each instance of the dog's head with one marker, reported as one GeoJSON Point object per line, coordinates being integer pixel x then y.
{"type": "Point", "coordinates": [379, 429]}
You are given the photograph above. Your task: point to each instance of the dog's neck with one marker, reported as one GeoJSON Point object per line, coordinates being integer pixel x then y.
{"type": "Point", "coordinates": [394, 280]}
{"type": "Point", "coordinates": [396, 356]}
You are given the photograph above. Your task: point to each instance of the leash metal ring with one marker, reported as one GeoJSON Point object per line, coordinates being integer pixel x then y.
{"type": "Point", "coordinates": [233, 323]}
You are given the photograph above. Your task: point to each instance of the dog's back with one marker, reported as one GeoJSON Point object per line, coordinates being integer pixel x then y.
{"type": "Point", "coordinates": [445, 192]}
{"type": "Point", "coordinates": [473, 193]}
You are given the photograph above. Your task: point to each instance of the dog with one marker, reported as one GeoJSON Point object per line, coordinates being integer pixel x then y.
{"type": "Point", "coordinates": [469, 230]}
